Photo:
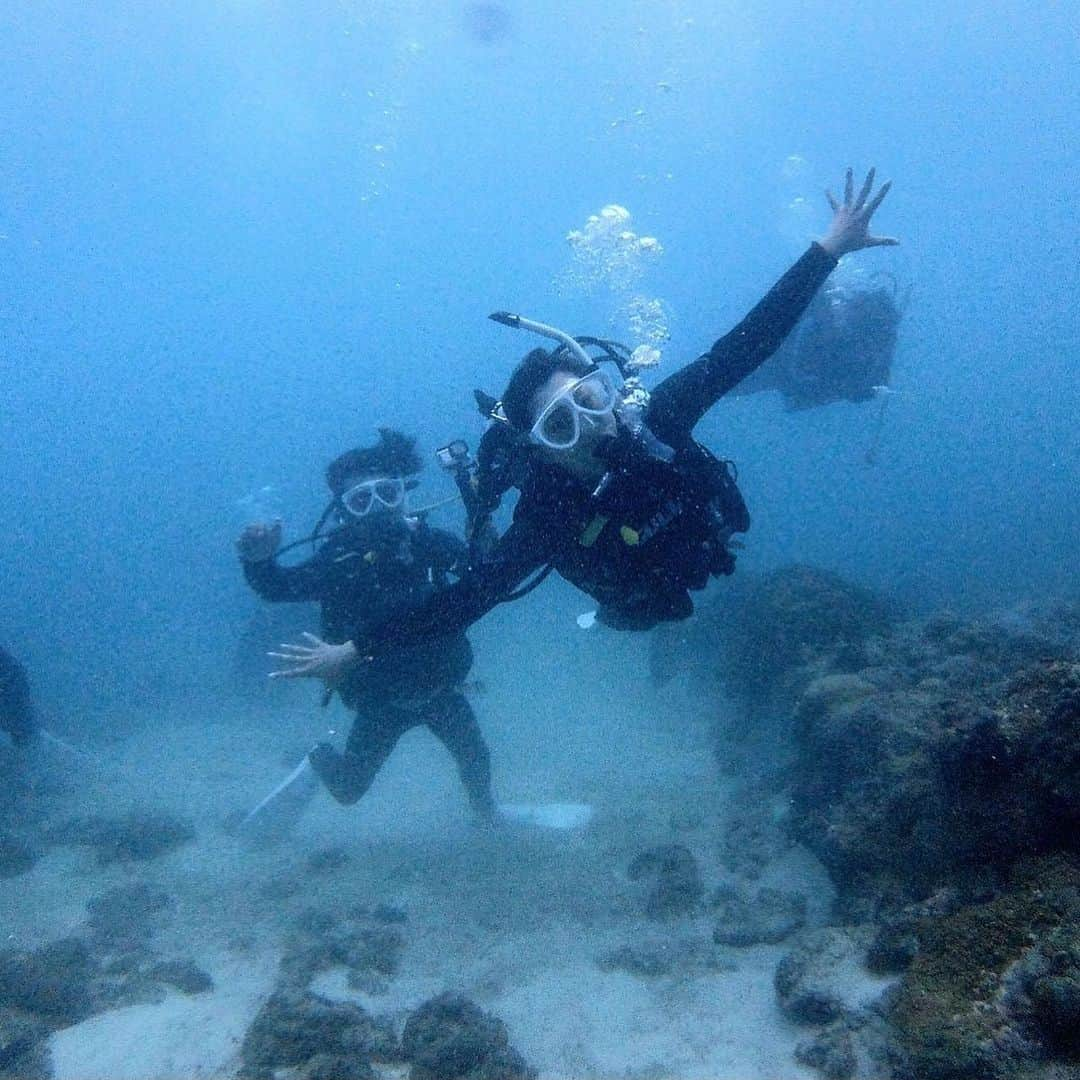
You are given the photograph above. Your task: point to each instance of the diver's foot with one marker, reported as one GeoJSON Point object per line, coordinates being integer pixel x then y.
{"type": "Point", "coordinates": [336, 772]}
{"type": "Point", "coordinates": [486, 816]}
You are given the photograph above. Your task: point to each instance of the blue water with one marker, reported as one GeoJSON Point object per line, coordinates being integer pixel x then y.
{"type": "Point", "coordinates": [237, 236]}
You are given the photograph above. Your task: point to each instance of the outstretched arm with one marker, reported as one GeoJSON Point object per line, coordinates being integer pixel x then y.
{"type": "Point", "coordinates": [681, 400]}
{"type": "Point", "coordinates": [522, 549]}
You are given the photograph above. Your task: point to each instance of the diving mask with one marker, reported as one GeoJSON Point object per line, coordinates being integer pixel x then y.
{"type": "Point", "coordinates": [383, 493]}
{"type": "Point", "coordinates": [589, 400]}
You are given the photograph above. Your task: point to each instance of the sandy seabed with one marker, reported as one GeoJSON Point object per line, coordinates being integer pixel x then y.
{"type": "Point", "coordinates": [515, 918]}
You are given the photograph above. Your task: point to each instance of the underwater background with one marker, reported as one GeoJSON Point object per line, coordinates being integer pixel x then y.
{"type": "Point", "coordinates": [238, 236]}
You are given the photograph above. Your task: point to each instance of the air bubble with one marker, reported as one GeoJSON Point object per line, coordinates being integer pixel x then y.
{"type": "Point", "coordinates": [608, 255]}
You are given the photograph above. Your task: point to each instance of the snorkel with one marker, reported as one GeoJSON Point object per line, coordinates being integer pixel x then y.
{"type": "Point", "coordinates": [519, 322]}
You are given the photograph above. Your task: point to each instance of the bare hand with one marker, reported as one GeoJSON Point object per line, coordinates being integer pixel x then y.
{"type": "Point", "coordinates": [257, 543]}
{"type": "Point", "coordinates": [850, 228]}
{"type": "Point", "coordinates": [317, 659]}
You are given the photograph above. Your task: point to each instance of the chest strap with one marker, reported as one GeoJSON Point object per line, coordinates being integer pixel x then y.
{"type": "Point", "coordinates": [630, 536]}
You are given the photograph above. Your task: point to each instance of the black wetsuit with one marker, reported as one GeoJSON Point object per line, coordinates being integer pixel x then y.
{"type": "Point", "coordinates": [648, 536]}
{"type": "Point", "coordinates": [361, 580]}
{"type": "Point", "coordinates": [17, 715]}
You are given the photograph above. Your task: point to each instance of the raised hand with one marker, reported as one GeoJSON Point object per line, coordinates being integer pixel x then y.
{"type": "Point", "coordinates": [317, 659]}
{"type": "Point", "coordinates": [850, 228]}
{"type": "Point", "coordinates": [257, 543]}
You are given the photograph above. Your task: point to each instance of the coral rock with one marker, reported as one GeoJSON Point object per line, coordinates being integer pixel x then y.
{"type": "Point", "coordinates": [303, 1029]}
{"type": "Point", "coordinates": [766, 918]}
{"type": "Point", "coordinates": [674, 878]}
{"type": "Point", "coordinates": [135, 837]}
{"type": "Point", "coordinates": [831, 1052]}
{"type": "Point", "coordinates": [184, 975]}
{"type": "Point", "coordinates": [451, 1038]}
{"type": "Point", "coordinates": [811, 979]}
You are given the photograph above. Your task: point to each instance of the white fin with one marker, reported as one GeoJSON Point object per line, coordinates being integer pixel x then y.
{"type": "Point", "coordinates": [66, 748]}
{"type": "Point", "coordinates": [586, 620]}
{"type": "Point", "coordinates": [274, 817]}
{"type": "Point", "coordinates": [548, 815]}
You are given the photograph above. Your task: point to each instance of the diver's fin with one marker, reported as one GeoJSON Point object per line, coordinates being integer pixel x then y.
{"type": "Point", "coordinates": [64, 747]}
{"type": "Point", "coordinates": [272, 820]}
{"type": "Point", "coordinates": [547, 815]}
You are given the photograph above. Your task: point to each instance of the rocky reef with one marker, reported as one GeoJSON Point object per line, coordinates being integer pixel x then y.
{"type": "Point", "coordinates": [108, 962]}
{"type": "Point", "coordinates": [139, 836]}
{"type": "Point", "coordinates": [36, 814]}
{"type": "Point", "coordinates": [993, 987]}
{"type": "Point", "coordinates": [303, 1034]}
{"type": "Point", "coordinates": [763, 917]}
{"type": "Point", "coordinates": [934, 769]}
{"type": "Point", "coordinates": [309, 1037]}
{"type": "Point", "coordinates": [672, 879]}
{"type": "Point", "coordinates": [24, 1053]}
{"type": "Point", "coordinates": [134, 837]}
{"type": "Point", "coordinates": [368, 944]}
{"type": "Point", "coordinates": [315, 1038]}
{"type": "Point", "coordinates": [757, 640]}
{"type": "Point", "coordinates": [905, 780]}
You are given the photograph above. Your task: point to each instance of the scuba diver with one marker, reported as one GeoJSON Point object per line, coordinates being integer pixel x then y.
{"type": "Point", "coordinates": [615, 495]}
{"type": "Point", "coordinates": [377, 564]}
{"type": "Point", "coordinates": [17, 714]}
{"type": "Point", "coordinates": [842, 348]}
